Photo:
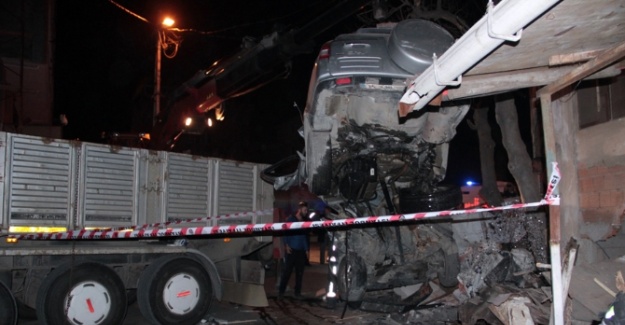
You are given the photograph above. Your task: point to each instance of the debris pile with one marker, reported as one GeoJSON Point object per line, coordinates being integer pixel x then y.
{"type": "Point", "coordinates": [498, 280]}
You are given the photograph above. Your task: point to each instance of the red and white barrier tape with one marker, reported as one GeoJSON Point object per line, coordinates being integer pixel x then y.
{"type": "Point", "coordinates": [285, 226]}
{"type": "Point", "coordinates": [269, 227]}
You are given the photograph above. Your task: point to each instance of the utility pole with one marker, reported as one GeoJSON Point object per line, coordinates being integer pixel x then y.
{"type": "Point", "coordinates": [160, 42]}
{"type": "Point", "coordinates": [157, 80]}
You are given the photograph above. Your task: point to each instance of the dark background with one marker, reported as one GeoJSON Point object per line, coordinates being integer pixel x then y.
{"type": "Point", "coordinates": [104, 70]}
{"type": "Point", "coordinates": [104, 74]}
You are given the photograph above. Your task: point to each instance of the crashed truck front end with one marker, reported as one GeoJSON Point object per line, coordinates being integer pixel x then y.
{"type": "Point", "coordinates": [364, 160]}
{"type": "Point", "coordinates": [354, 137]}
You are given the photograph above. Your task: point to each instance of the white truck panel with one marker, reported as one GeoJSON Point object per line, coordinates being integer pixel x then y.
{"type": "Point", "coordinates": [51, 182]}
{"type": "Point", "coordinates": [37, 181]}
{"type": "Point", "coordinates": [108, 186]}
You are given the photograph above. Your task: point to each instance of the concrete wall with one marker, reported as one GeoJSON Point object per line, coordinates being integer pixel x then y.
{"type": "Point", "coordinates": [601, 172]}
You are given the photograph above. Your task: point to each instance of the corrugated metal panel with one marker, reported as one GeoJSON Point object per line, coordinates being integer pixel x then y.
{"type": "Point", "coordinates": [58, 182]}
{"type": "Point", "coordinates": [40, 181]}
{"type": "Point", "coordinates": [235, 187]}
{"type": "Point", "coordinates": [187, 187]}
{"type": "Point", "coordinates": [110, 185]}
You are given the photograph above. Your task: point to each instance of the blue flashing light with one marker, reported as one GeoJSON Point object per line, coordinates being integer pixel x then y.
{"type": "Point", "coordinates": [470, 183]}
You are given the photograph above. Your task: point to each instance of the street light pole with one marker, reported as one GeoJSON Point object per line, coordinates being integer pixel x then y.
{"type": "Point", "coordinates": [167, 22]}
{"type": "Point", "coordinates": [157, 80]}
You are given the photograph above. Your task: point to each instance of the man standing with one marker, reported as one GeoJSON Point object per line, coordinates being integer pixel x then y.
{"type": "Point", "coordinates": [296, 246]}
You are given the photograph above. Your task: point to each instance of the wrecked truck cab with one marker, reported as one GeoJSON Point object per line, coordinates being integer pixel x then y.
{"type": "Point", "coordinates": [364, 160]}
{"type": "Point", "coordinates": [353, 136]}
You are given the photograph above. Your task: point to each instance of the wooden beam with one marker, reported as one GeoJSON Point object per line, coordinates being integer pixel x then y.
{"type": "Point", "coordinates": [496, 83]}
{"type": "Point", "coordinates": [601, 61]}
{"type": "Point", "coordinates": [570, 58]}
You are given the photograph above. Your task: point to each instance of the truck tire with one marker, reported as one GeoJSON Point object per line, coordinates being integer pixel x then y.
{"type": "Point", "coordinates": [87, 293]}
{"type": "Point", "coordinates": [448, 277]}
{"type": "Point", "coordinates": [8, 306]}
{"type": "Point", "coordinates": [353, 280]}
{"type": "Point", "coordinates": [174, 290]}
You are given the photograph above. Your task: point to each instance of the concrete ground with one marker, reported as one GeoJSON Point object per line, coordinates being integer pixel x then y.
{"type": "Point", "coordinates": [310, 309]}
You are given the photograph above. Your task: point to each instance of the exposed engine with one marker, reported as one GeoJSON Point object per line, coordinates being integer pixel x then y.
{"type": "Point", "coordinates": [369, 154]}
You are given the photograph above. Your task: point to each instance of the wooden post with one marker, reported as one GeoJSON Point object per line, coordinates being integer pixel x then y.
{"type": "Point", "coordinates": [554, 216]}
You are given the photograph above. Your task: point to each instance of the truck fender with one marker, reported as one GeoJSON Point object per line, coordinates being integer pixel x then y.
{"type": "Point", "coordinates": [212, 271]}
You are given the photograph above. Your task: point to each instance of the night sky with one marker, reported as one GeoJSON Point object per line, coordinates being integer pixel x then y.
{"type": "Point", "coordinates": [104, 70]}
{"type": "Point", "coordinates": [104, 74]}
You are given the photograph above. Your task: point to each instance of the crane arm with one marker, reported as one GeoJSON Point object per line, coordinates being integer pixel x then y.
{"type": "Point", "coordinates": [254, 66]}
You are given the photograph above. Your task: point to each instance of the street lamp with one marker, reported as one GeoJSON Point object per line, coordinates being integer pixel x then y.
{"type": "Point", "coordinates": [162, 43]}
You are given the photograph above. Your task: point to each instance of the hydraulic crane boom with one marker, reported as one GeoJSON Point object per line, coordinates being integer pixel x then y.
{"type": "Point", "coordinates": [251, 68]}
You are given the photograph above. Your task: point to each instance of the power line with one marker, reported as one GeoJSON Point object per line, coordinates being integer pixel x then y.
{"type": "Point", "coordinates": [128, 11]}
{"type": "Point", "coordinates": [222, 30]}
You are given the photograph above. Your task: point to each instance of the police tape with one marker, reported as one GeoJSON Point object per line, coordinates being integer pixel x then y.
{"type": "Point", "coordinates": [271, 227]}
{"type": "Point", "coordinates": [241, 229]}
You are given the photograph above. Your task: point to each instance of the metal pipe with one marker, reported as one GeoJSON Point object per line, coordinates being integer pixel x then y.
{"type": "Point", "coordinates": [503, 22]}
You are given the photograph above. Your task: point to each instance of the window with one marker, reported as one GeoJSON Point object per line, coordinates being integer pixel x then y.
{"type": "Point", "coordinates": [601, 100]}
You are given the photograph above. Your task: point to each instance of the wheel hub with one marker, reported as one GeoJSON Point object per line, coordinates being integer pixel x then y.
{"type": "Point", "coordinates": [181, 293]}
{"type": "Point", "coordinates": [88, 303]}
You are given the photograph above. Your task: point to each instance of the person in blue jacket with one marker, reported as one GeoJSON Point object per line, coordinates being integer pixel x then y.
{"type": "Point", "coordinates": [296, 246]}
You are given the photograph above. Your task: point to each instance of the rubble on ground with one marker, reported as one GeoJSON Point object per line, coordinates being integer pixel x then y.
{"type": "Point", "coordinates": [498, 280]}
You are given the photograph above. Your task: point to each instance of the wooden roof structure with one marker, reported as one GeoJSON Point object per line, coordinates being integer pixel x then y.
{"type": "Point", "coordinates": [572, 41]}
{"type": "Point", "coordinates": [571, 33]}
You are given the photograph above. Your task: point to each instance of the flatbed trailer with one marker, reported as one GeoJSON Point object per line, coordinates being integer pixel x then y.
{"type": "Point", "coordinates": [72, 187]}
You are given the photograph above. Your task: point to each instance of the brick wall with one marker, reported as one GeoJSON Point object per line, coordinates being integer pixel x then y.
{"type": "Point", "coordinates": [602, 194]}
{"type": "Point", "coordinates": [601, 176]}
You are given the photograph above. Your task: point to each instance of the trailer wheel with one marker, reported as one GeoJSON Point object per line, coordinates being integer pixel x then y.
{"type": "Point", "coordinates": [87, 293]}
{"type": "Point", "coordinates": [174, 290]}
{"type": "Point", "coordinates": [8, 306]}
